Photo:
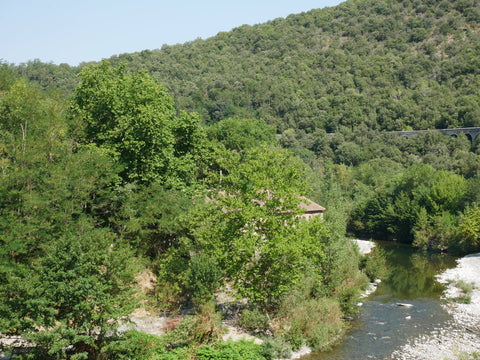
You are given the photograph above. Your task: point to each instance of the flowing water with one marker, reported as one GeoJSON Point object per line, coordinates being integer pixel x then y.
{"type": "Point", "coordinates": [382, 325]}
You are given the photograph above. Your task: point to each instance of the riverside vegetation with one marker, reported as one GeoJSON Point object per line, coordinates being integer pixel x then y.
{"type": "Point", "coordinates": [105, 172]}
{"type": "Point", "coordinates": [116, 180]}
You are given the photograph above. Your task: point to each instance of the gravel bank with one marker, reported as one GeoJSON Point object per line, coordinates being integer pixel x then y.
{"type": "Point", "coordinates": [463, 334]}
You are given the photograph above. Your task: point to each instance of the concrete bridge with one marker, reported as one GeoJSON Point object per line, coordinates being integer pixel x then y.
{"type": "Point", "coordinates": [471, 132]}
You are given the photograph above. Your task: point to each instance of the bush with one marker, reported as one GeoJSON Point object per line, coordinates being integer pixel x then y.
{"type": "Point", "coordinates": [295, 337]}
{"type": "Point", "coordinates": [469, 229]}
{"type": "Point", "coordinates": [467, 288]}
{"type": "Point", "coordinates": [204, 277]}
{"type": "Point", "coordinates": [172, 270]}
{"type": "Point", "coordinates": [240, 350]}
{"type": "Point", "coordinates": [374, 264]}
{"type": "Point", "coordinates": [318, 320]}
{"type": "Point", "coordinates": [133, 345]}
{"type": "Point", "coordinates": [200, 329]}
{"type": "Point", "coordinates": [208, 323]}
{"type": "Point", "coordinates": [275, 348]}
{"type": "Point", "coordinates": [253, 320]}
{"type": "Point", "coordinates": [168, 296]}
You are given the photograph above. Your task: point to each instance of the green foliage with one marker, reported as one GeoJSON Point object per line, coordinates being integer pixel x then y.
{"type": "Point", "coordinates": [50, 77]}
{"type": "Point", "coordinates": [73, 296]}
{"type": "Point", "coordinates": [374, 264]}
{"type": "Point", "coordinates": [239, 350]}
{"type": "Point", "coordinates": [416, 206]}
{"type": "Point", "coordinates": [254, 320]}
{"type": "Point", "coordinates": [240, 133]}
{"type": "Point", "coordinates": [172, 272]}
{"type": "Point", "coordinates": [312, 313]}
{"type": "Point", "coordinates": [440, 233]}
{"type": "Point", "coordinates": [467, 289]}
{"type": "Point", "coordinates": [469, 228]}
{"type": "Point", "coordinates": [204, 277]}
{"type": "Point", "coordinates": [275, 348]}
{"type": "Point", "coordinates": [316, 320]}
{"type": "Point", "coordinates": [44, 199]}
{"type": "Point", "coordinates": [149, 217]}
{"type": "Point", "coordinates": [134, 345]}
{"type": "Point", "coordinates": [140, 346]}
{"type": "Point", "coordinates": [249, 224]}
{"type": "Point", "coordinates": [132, 117]}
{"type": "Point", "coordinates": [202, 328]}
{"type": "Point", "coordinates": [7, 76]}
{"type": "Point", "coordinates": [465, 292]}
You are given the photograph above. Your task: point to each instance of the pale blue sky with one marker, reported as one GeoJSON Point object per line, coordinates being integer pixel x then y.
{"type": "Point", "coordinates": [65, 31]}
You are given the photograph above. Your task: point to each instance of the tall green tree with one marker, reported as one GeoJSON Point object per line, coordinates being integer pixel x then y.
{"type": "Point", "coordinates": [251, 225]}
{"type": "Point", "coordinates": [73, 298]}
{"type": "Point", "coordinates": [242, 133]}
{"type": "Point", "coordinates": [133, 118]}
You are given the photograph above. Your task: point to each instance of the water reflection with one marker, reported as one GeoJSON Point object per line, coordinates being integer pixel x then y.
{"type": "Point", "coordinates": [412, 273]}
{"type": "Point", "coordinates": [382, 325]}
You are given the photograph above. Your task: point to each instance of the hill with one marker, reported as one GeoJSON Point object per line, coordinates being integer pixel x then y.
{"type": "Point", "coordinates": [103, 177]}
{"type": "Point", "coordinates": [359, 69]}
{"type": "Point", "coordinates": [388, 64]}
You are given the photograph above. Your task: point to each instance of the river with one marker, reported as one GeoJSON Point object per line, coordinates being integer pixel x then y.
{"type": "Point", "coordinates": [382, 325]}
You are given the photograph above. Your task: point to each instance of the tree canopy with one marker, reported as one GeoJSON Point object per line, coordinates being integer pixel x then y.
{"type": "Point", "coordinates": [191, 160]}
{"type": "Point", "coordinates": [133, 119]}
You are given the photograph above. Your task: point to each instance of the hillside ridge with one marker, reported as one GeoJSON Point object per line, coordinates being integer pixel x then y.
{"type": "Point", "coordinates": [389, 65]}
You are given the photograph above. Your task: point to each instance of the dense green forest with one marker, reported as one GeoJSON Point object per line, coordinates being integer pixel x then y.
{"type": "Point", "coordinates": [190, 161]}
{"type": "Point", "coordinates": [386, 64]}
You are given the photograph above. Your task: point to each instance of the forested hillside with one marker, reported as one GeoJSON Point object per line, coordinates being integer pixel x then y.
{"type": "Point", "coordinates": [190, 161]}
{"type": "Point", "coordinates": [387, 64]}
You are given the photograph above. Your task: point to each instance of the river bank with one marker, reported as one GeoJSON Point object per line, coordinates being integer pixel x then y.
{"type": "Point", "coordinates": [364, 246]}
{"type": "Point", "coordinates": [462, 335]}
{"type": "Point", "coordinates": [155, 324]}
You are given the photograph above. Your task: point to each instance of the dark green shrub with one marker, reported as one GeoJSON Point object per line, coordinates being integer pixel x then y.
{"type": "Point", "coordinates": [275, 348]}
{"type": "Point", "coordinates": [134, 345]}
{"type": "Point", "coordinates": [204, 277]}
{"type": "Point", "coordinates": [254, 320]}
{"type": "Point", "coordinates": [240, 350]}
{"type": "Point", "coordinates": [172, 272]}
{"type": "Point", "coordinates": [374, 264]}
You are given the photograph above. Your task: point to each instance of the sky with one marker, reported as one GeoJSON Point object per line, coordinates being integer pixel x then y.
{"type": "Point", "coordinates": [66, 31]}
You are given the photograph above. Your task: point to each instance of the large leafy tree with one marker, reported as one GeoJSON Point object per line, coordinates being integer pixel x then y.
{"type": "Point", "coordinates": [32, 144]}
{"type": "Point", "coordinates": [238, 133]}
{"type": "Point", "coordinates": [71, 298]}
{"type": "Point", "coordinates": [64, 279]}
{"type": "Point", "coordinates": [133, 118]}
{"type": "Point", "coordinates": [251, 228]}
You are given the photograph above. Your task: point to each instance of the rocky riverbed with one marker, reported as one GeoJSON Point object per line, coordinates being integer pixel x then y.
{"type": "Point", "coordinates": [462, 335]}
